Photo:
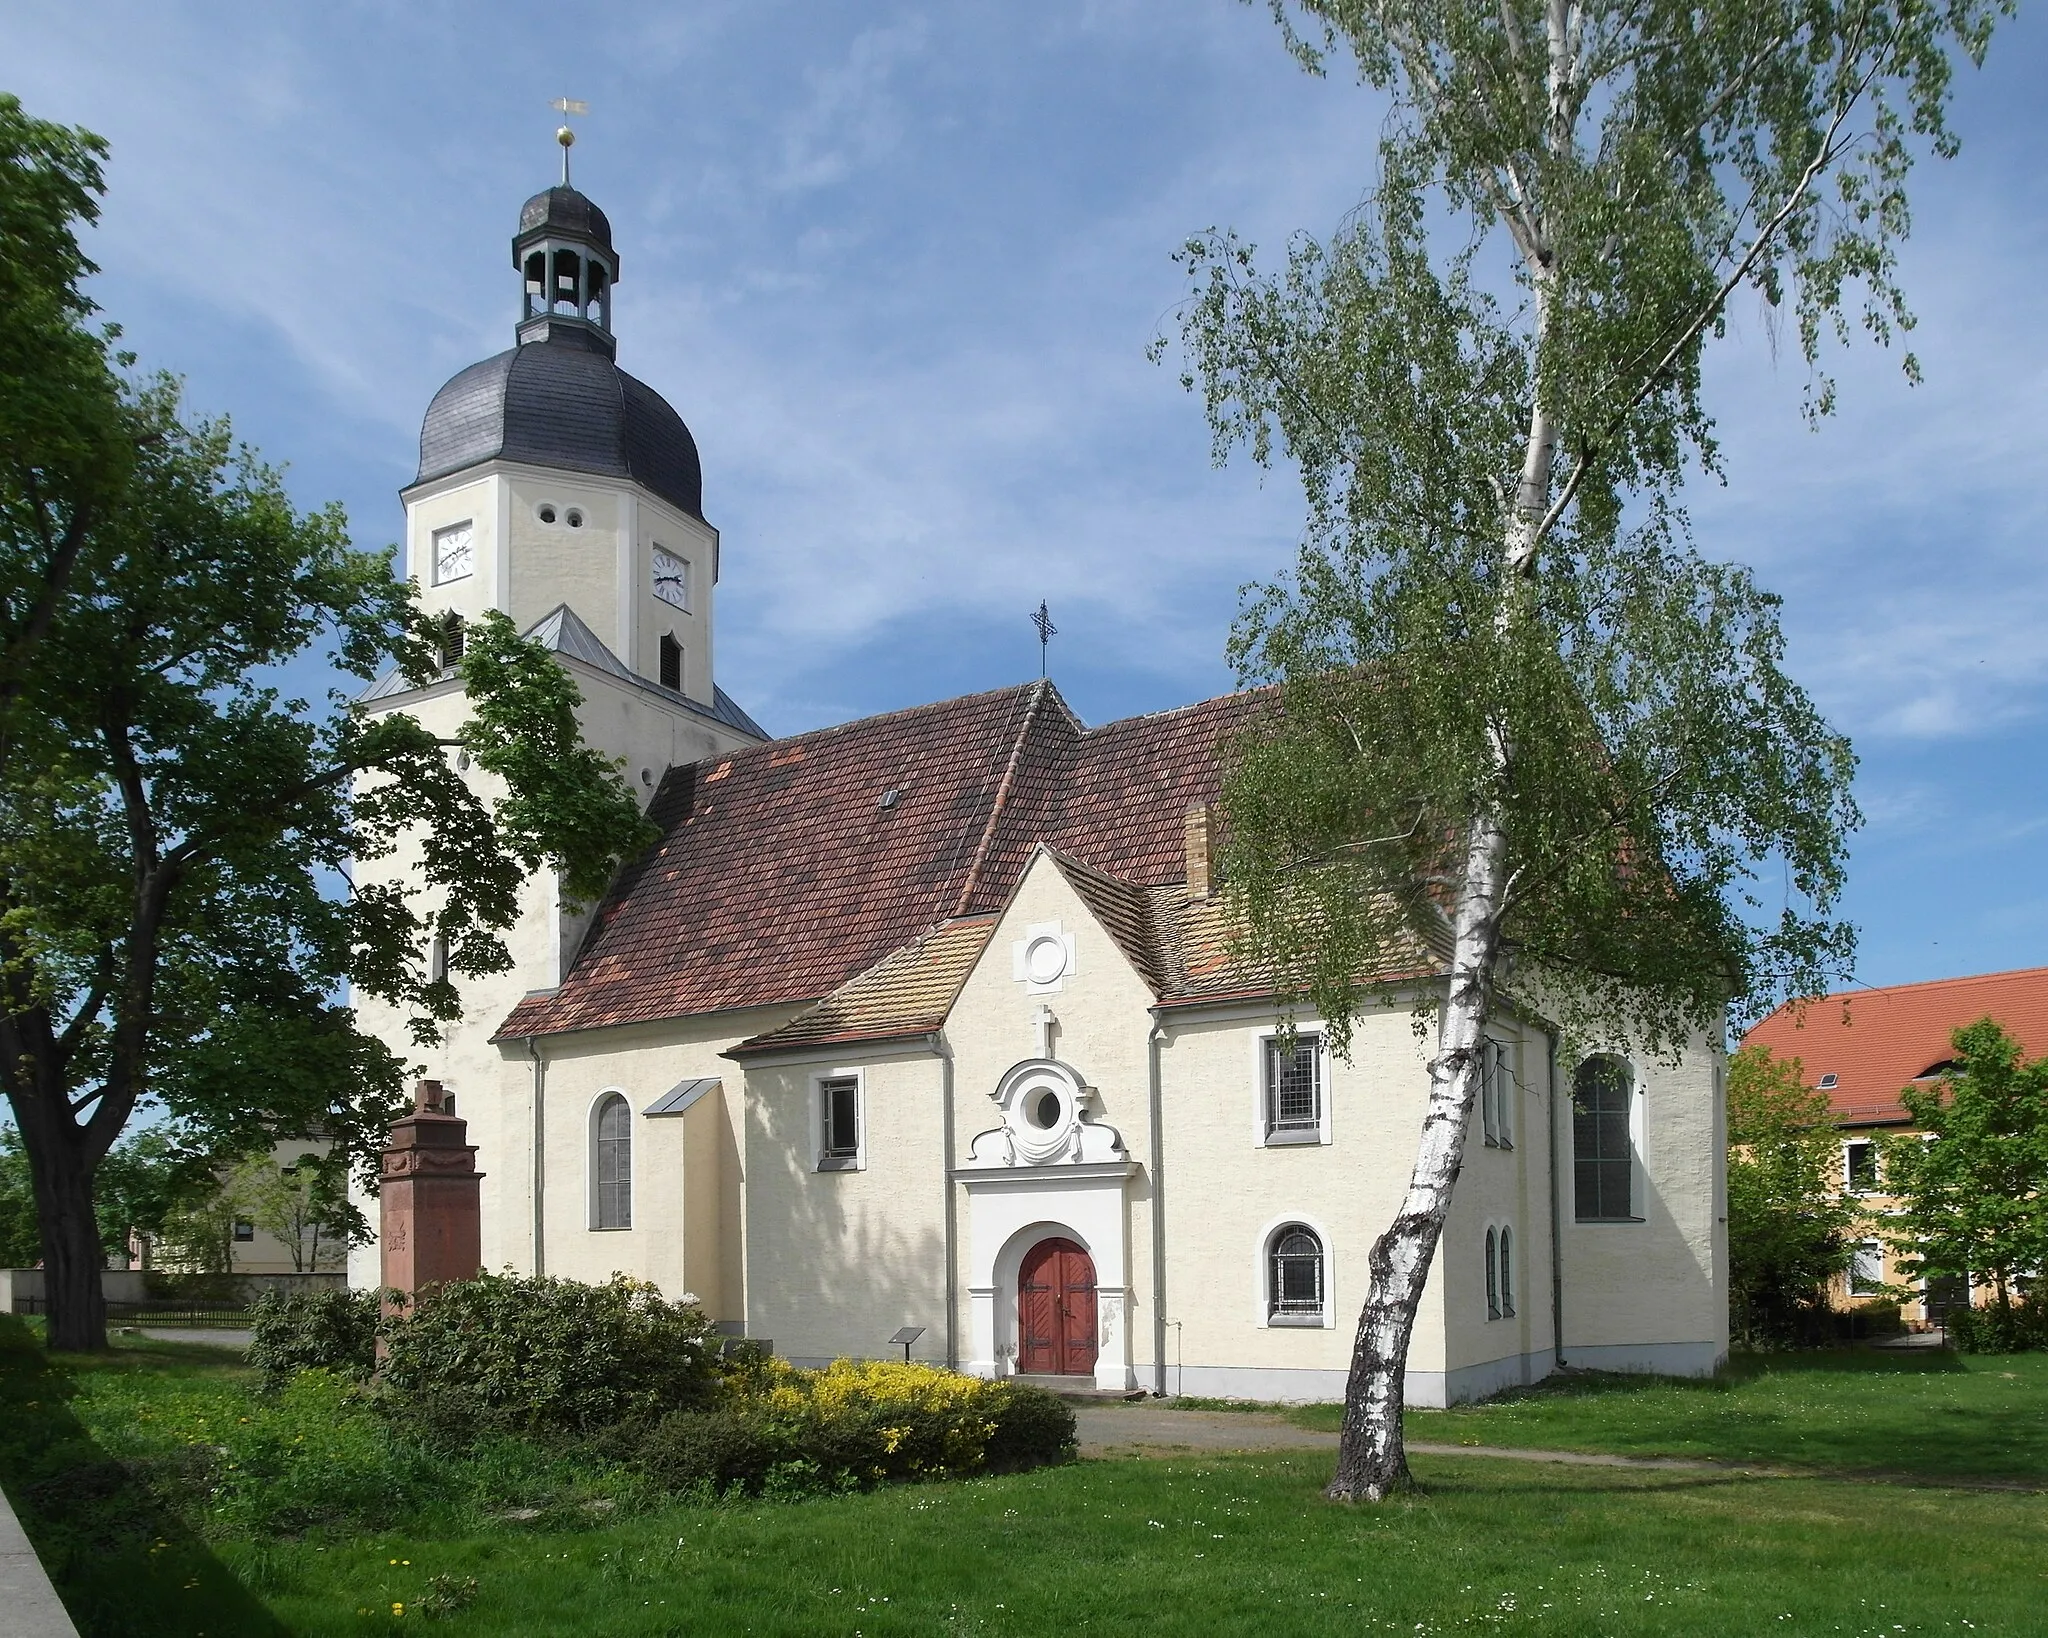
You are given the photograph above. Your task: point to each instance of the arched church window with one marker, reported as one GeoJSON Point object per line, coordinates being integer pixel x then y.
{"type": "Point", "coordinates": [671, 663]}
{"type": "Point", "coordinates": [1507, 1273]}
{"type": "Point", "coordinates": [1492, 1279]}
{"type": "Point", "coordinates": [453, 640]}
{"type": "Point", "coordinates": [1294, 1281]}
{"type": "Point", "coordinates": [612, 1163]}
{"type": "Point", "coordinates": [1603, 1147]}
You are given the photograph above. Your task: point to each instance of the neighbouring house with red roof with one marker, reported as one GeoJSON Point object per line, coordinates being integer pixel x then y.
{"type": "Point", "coordinates": [930, 1021]}
{"type": "Point", "coordinates": [1862, 1048]}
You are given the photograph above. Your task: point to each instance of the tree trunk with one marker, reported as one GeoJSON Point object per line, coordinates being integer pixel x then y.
{"type": "Point", "coordinates": [73, 1259]}
{"type": "Point", "coordinates": [1372, 1460]}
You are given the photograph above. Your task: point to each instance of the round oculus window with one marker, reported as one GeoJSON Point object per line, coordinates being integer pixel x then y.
{"type": "Point", "coordinates": [575, 518]}
{"type": "Point", "coordinates": [1045, 1111]}
{"type": "Point", "coordinates": [546, 511]}
{"type": "Point", "coordinates": [1045, 959]}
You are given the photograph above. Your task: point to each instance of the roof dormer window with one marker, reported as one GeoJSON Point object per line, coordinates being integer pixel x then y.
{"type": "Point", "coordinates": [1828, 1083]}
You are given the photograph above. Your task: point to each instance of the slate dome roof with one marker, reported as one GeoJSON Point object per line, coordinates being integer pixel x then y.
{"type": "Point", "coordinates": [553, 403]}
{"type": "Point", "coordinates": [566, 212]}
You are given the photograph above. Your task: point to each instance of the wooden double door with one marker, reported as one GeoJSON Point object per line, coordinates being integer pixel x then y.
{"type": "Point", "coordinates": [1056, 1310]}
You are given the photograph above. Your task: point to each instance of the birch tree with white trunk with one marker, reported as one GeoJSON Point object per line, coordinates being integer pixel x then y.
{"type": "Point", "coordinates": [1515, 707]}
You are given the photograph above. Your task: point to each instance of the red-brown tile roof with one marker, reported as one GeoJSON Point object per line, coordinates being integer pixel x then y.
{"type": "Point", "coordinates": [1876, 1041]}
{"type": "Point", "coordinates": [908, 992]}
{"type": "Point", "coordinates": [780, 874]}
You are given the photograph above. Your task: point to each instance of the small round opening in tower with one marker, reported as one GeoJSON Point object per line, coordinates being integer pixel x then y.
{"type": "Point", "coordinates": [547, 512]}
{"type": "Point", "coordinates": [1045, 1111]}
{"type": "Point", "coordinates": [575, 518]}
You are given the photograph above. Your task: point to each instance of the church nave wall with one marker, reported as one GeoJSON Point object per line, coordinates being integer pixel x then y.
{"type": "Point", "coordinates": [843, 1249]}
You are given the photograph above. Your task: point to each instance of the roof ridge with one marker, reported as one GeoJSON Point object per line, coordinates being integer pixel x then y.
{"type": "Point", "coordinates": [1923, 984]}
{"type": "Point", "coordinates": [1175, 710]}
{"type": "Point", "coordinates": [853, 723]}
{"type": "Point", "coordinates": [995, 810]}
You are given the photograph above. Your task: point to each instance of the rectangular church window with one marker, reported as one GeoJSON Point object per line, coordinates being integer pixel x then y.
{"type": "Point", "coordinates": [1294, 1089]}
{"type": "Point", "coordinates": [839, 1123]}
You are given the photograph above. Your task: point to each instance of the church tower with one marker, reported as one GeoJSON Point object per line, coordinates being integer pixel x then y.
{"type": "Point", "coordinates": [560, 490]}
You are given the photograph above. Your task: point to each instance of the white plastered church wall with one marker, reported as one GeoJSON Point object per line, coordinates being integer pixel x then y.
{"type": "Point", "coordinates": [839, 1260]}
{"type": "Point", "coordinates": [1652, 1295]}
{"type": "Point", "coordinates": [1225, 1191]}
{"type": "Point", "coordinates": [527, 569]}
{"type": "Point", "coordinates": [1504, 1185]}
{"type": "Point", "coordinates": [1101, 1024]}
{"type": "Point", "coordinates": [689, 1170]}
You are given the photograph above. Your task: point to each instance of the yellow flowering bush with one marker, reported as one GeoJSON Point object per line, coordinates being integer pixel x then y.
{"type": "Point", "coordinates": [855, 1423]}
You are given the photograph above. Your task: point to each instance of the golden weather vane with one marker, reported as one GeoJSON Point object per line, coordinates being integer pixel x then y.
{"type": "Point", "coordinates": [565, 106]}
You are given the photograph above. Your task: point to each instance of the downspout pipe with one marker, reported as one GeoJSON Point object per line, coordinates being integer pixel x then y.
{"type": "Point", "coordinates": [1556, 1224]}
{"type": "Point", "coordinates": [1156, 1105]}
{"type": "Point", "coordinates": [945, 1055]}
{"type": "Point", "coordinates": [540, 1152]}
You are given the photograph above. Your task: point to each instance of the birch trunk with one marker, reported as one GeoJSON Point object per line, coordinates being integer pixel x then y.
{"type": "Point", "coordinates": [1372, 1459]}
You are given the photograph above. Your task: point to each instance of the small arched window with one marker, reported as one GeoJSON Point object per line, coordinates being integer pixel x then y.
{"type": "Point", "coordinates": [671, 663]}
{"type": "Point", "coordinates": [453, 640]}
{"type": "Point", "coordinates": [1507, 1273]}
{"type": "Point", "coordinates": [1294, 1280]}
{"type": "Point", "coordinates": [612, 1164]}
{"type": "Point", "coordinates": [1603, 1148]}
{"type": "Point", "coordinates": [437, 959]}
{"type": "Point", "coordinates": [1492, 1278]}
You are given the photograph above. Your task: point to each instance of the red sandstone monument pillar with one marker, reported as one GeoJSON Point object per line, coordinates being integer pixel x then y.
{"type": "Point", "coordinates": [431, 1218]}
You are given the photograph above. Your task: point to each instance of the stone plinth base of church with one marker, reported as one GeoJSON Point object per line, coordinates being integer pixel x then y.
{"type": "Point", "coordinates": [430, 1207]}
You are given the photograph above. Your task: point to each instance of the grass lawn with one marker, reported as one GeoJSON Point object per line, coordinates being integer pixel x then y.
{"type": "Point", "coordinates": [1922, 1411]}
{"type": "Point", "coordinates": [1239, 1544]}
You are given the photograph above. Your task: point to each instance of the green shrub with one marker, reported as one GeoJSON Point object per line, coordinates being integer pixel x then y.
{"type": "Point", "coordinates": [200, 1289]}
{"type": "Point", "coordinates": [733, 1446]}
{"type": "Point", "coordinates": [314, 1330]}
{"type": "Point", "coordinates": [1877, 1318]}
{"type": "Point", "coordinates": [1992, 1330]}
{"type": "Point", "coordinates": [544, 1356]}
{"type": "Point", "coordinates": [782, 1432]}
{"type": "Point", "coordinates": [1033, 1427]}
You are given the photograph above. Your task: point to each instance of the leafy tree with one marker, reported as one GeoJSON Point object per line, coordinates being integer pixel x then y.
{"type": "Point", "coordinates": [177, 836]}
{"type": "Point", "coordinates": [145, 1181]}
{"type": "Point", "coordinates": [21, 1241]}
{"type": "Point", "coordinates": [64, 444]}
{"type": "Point", "coordinates": [305, 1206]}
{"type": "Point", "coordinates": [1973, 1203]}
{"type": "Point", "coordinates": [1511, 694]}
{"type": "Point", "coordinates": [1789, 1219]}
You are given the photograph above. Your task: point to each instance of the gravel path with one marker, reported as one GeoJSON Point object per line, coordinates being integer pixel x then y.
{"type": "Point", "coordinates": [1157, 1431]}
{"type": "Point", "coordinates": [1154, 1430]}
{"type": "Point", "coordinates": [211, 1336]}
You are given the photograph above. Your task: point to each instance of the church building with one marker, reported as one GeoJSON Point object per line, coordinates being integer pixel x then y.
{"type": "Point", "coordinates": [930, 1021]}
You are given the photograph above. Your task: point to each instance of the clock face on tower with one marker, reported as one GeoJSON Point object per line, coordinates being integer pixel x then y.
{"type": "Point", "coordinates": [671, 579]}
{"type": "Point", "coordinates": [454, 553]}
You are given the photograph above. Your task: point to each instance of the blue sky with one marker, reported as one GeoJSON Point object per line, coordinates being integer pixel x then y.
{"type": "Point", "coordinates": [898, 264]}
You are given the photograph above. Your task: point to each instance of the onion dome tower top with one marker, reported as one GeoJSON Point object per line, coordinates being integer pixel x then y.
{"type": "Point", "coordinates": [558, 399]}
